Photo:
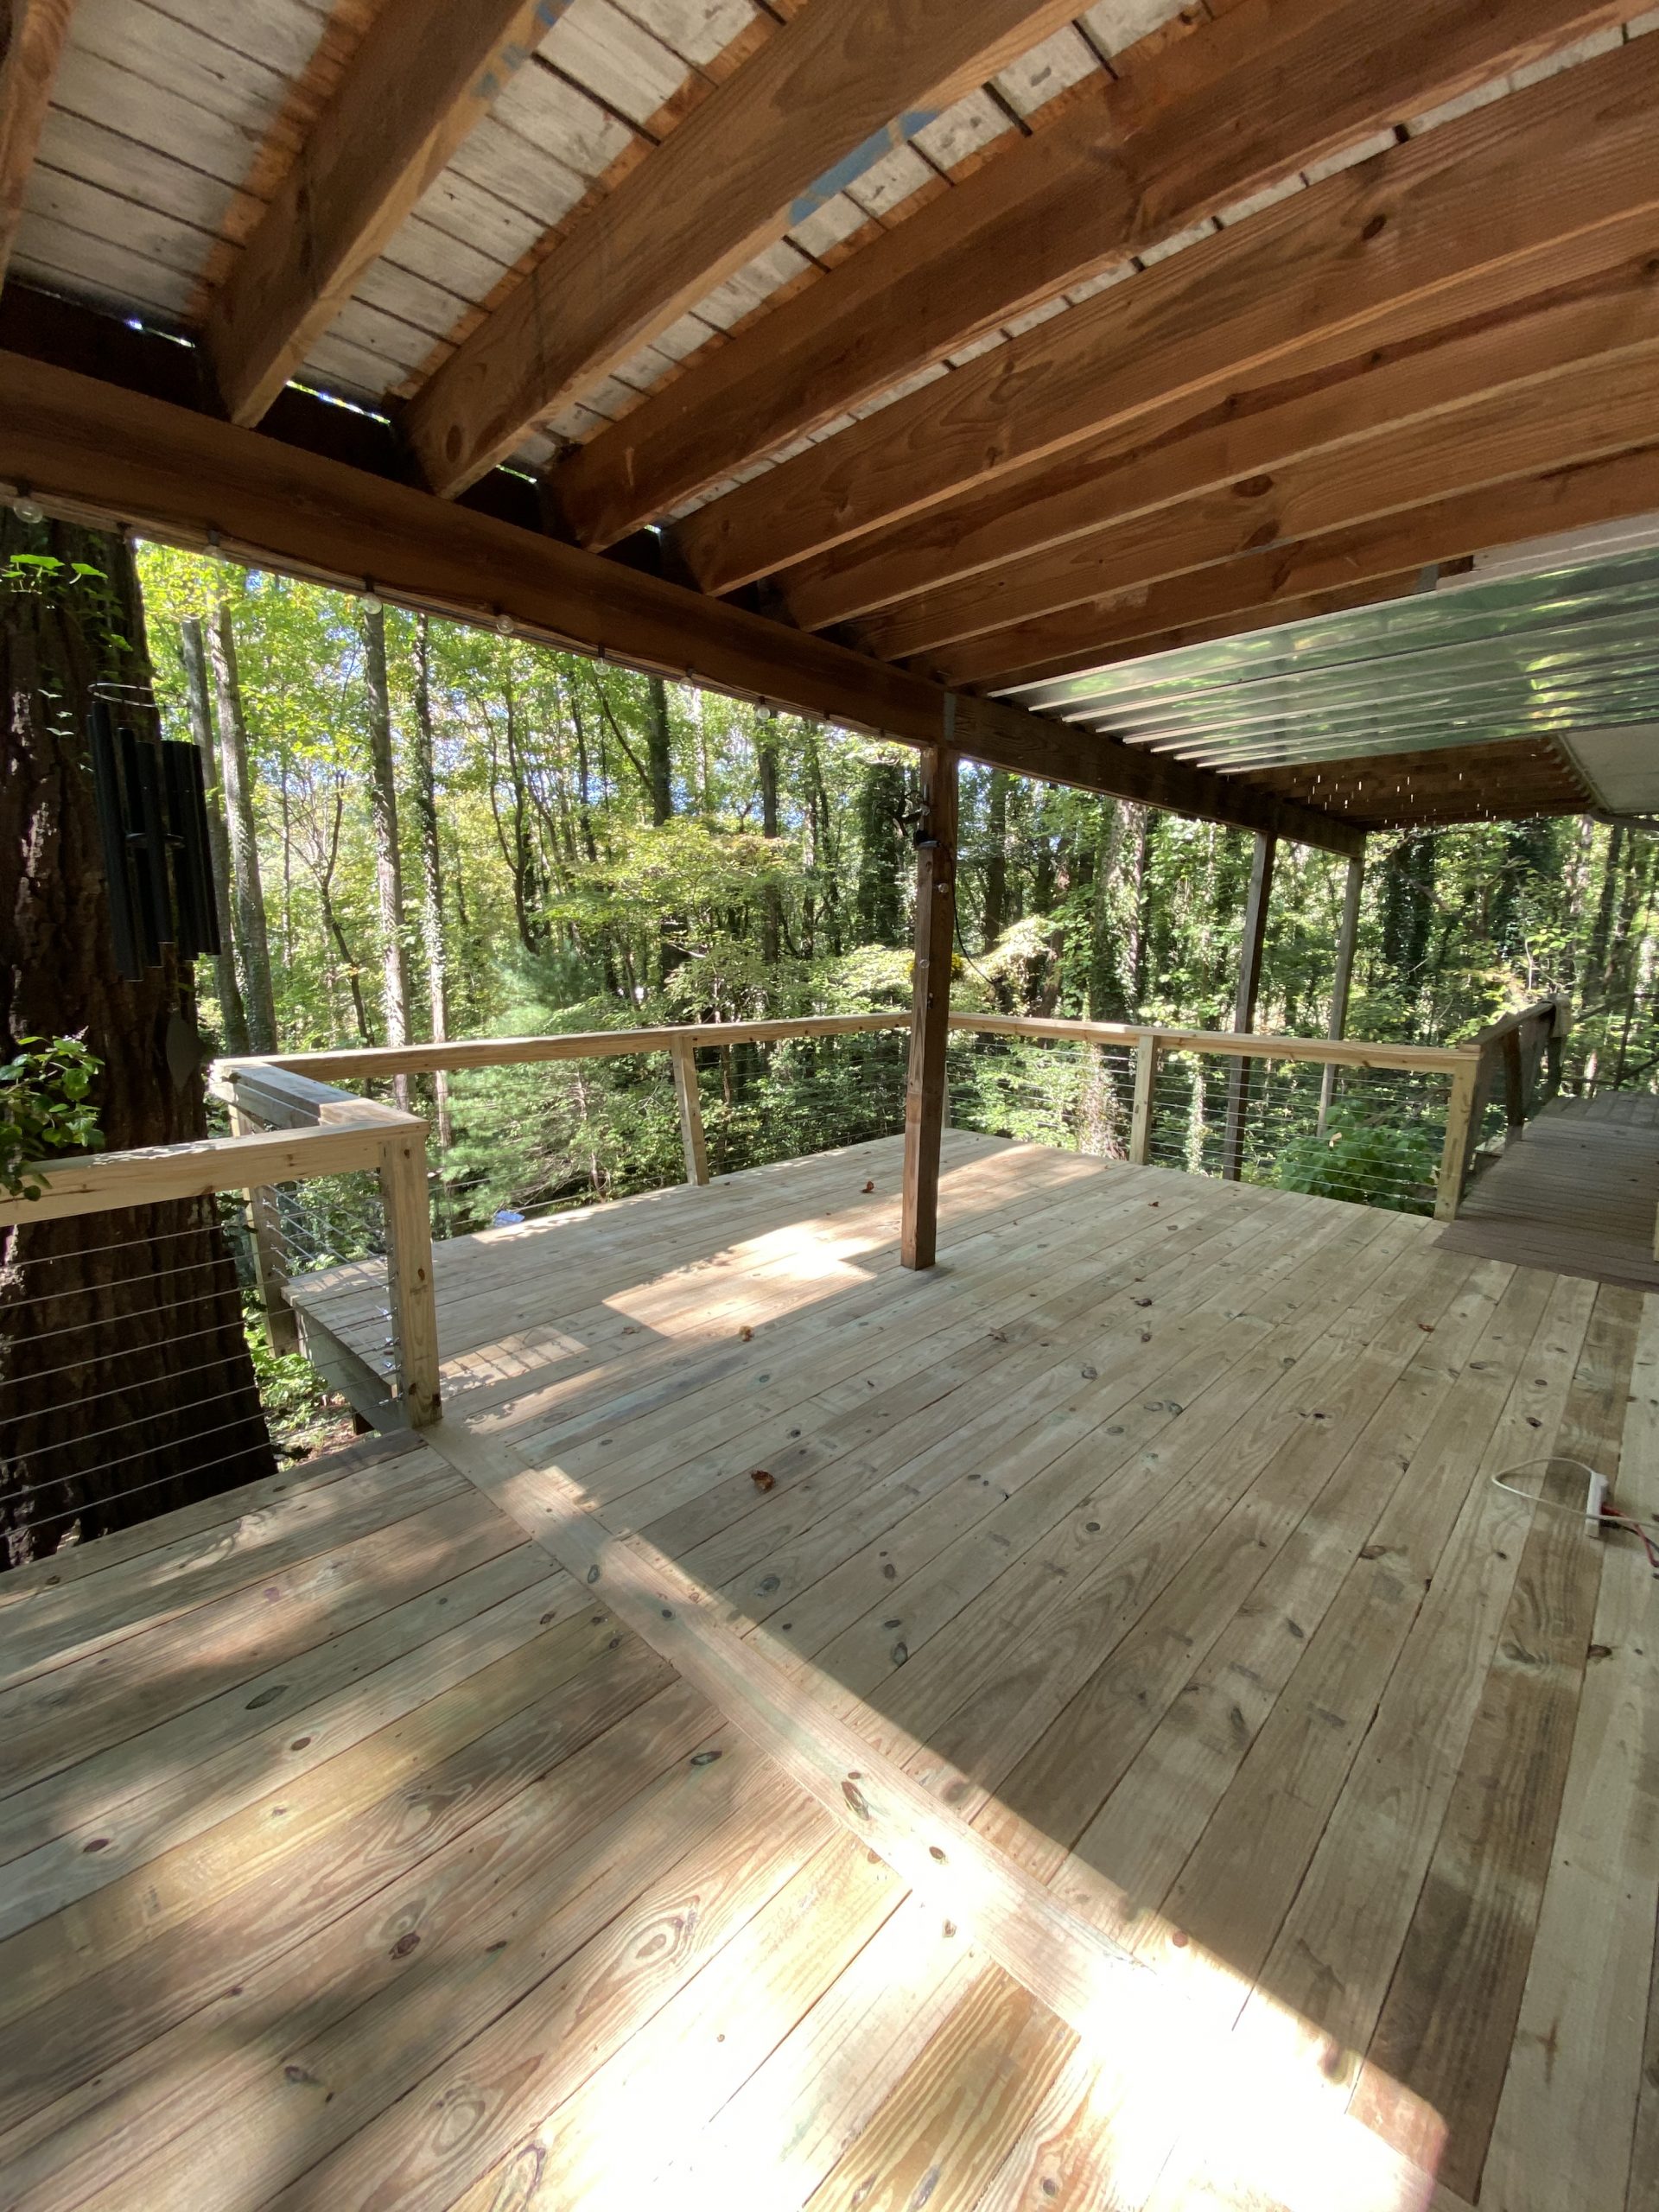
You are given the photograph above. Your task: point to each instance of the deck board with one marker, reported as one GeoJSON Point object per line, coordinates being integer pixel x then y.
{"type": "Point", "coordinates": [1578, 1193]}
{"type": "Point", "coordinates": [364, 1856]}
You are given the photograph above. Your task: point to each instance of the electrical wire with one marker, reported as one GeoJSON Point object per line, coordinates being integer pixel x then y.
{"type": "Point", "coordinates": [1606, 1514]}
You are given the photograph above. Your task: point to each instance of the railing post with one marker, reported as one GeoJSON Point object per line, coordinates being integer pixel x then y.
{"type": "Point", "coordinates": [1462, 1110]}
{"type": "Point", "coordinates": [682, 1052]}
{"type": "Point", "coordinates": [1514, 1090]}
{"type": "Point", "coordinates": [269, 1254]}
{"type": "Point", "coordinates": [1147, 1053]}
{"type": "Point", "coordinates": [930, 1022]}
{"type": "Point", "coordinates": [408, 1273]}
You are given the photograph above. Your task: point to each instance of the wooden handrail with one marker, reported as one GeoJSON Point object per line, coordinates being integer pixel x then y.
{"type": "Point", "coordinates": [317, 1131]}
{"type": "Point", "coordinates": [99, 1182]}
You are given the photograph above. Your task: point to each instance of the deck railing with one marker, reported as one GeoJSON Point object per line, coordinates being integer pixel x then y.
{"type": "Point", "coordinates": [1397, 1125]}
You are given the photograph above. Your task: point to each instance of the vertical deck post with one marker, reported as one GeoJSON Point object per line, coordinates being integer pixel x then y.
{"type": "Point", "coordinates": [929, 1018]}
{"type": "Point", "coordinates": [269, 1254]}
{"type": "Point", "coordinates": [1462, 1112]}
{"type": "Point", "coordinates": [691, 1130]}
{"type": "Point", "coordinates": [1148, 1052]}
{"type": "Point", "coordinates": [408, 1273]}
{"type": "Point", "coordinates": [1514, 1090]}
{"type": "Point", "coordinates": [1347, 936]}
{"type": "Point", "coordinates": [1249, 986]}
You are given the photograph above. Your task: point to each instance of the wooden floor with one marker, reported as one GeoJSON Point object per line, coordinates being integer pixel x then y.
{"type": "Point", "coordinates": [1579, 1193]}
{"type": "Point", "coordinates": [359, 1853]}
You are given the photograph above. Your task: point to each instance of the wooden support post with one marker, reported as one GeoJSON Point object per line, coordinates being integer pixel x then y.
{"type": "Point", "coordinates": [1347, 934]}
{"type": "Point", "coordinates": [682, 1052]}
{"type": "Point", "coordinates": [1249, 986]}
{"type": "Point", "coordinates": [269, 1253]}
{"type": "Point", "coordinates": [409, 1275]}
{"type": "Point", "coordinates": [1514, 1090]}
{"type": "Point", "coordinates": [1148, 1052]}
{"type": "Point", "coordinates": [1462, 1113]}
{"type": "Point", "coordinates": [930, 1020]}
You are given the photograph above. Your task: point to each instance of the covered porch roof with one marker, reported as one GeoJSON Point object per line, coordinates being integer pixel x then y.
{"type": "Point", "coordinates": [885, 363]}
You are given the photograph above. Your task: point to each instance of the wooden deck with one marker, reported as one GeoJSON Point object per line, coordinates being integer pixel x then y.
{"type": "Point", "coordinates": [1578, 1193]}
{"type": "Point", "coordinates": [400, 1838]}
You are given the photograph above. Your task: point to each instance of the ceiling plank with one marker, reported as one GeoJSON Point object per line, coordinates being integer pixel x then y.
{"type": "Point", "coordinates": [1319, 404]}
{"type": "Point", "coordinates": [1585, 410]}
{"type": "Point", "coordinates": [1197, 124]}
{"type": "Point", "coordinates": [1617, 488]}
{"type": "Point", "coordinates": [783, 133]}
{"type": "Point", "coordinates": [1374, 249]}
{"type": "Point", "coordinates": [426, 73]}
{"type": "Point", "coordinates": [116, 458]}
{"type": "Point", "coordinates": [33, 35]}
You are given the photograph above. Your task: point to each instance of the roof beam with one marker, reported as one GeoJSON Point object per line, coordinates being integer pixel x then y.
{"type": "Point", "coordinates": [33, 35]}
{"type": "Point", "coordinates": [1320, 404]}
{"type": "Point", "coordinates": [1201, 122]}
{"type": "Point", "coordinates": [1373, 249]}
{"type": "Point", "coordinates": [427, 70]}
{"type": "Point", "coordinates": [1251, 592]}
{"type": "Point", "coordinates": [798, 120]}
{"type": "Point", "coordinates": [1585, 410]}
{"type": "Point", "coordinates": [96, 452]}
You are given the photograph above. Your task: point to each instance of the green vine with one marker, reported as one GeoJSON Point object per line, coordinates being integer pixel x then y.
{"type": "Point", "coordinates": [45, 1107]}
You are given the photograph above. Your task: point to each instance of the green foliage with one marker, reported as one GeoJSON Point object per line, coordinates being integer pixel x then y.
{"type": "Point", "coordinates": [1366, 1161]}
{"type": "Point", "coordinates": [45, 1107]}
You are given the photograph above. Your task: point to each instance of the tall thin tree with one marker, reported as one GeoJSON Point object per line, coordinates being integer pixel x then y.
{"type": "Point", "coordinates": [233, 1016]}
{"type": "Point", "coordinates": [248, 896]}
{"type": "Point", "coordinates": [424, 794]}
{"type": "Point", "coordinates": [383, 815]}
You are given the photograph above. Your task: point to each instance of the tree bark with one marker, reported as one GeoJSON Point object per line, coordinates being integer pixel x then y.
{"type": "Point", "coordinates": [252, 942]}
{"type": "Point", "coordinates": [233, 1016]}
{"type": "Point", "coordinates": [388, 858]}
{"type": "Point", "coordinates": [126, 1387]}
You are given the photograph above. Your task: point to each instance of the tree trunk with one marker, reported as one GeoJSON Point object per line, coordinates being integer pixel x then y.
{"type": "Point", "coordinates": [233, 1016]}
{"type": "Point", "coordinates": [388, 859]}
{"type": "Point", "coordinates": [426, 817]}
{"type": "Point", "coordinates": [996, 857]}
{"type": "Point", "coordinates": [657, 752]}
{"type": "Point", "coordinates": [126, 1387]}
{"type": "Point", "coordinates": [252, 945]}
{"type": "Point", "coordinates": [765, 758]}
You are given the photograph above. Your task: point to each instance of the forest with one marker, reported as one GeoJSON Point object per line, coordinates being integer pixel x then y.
{"type": "Point", "coordinates": [437, 831]}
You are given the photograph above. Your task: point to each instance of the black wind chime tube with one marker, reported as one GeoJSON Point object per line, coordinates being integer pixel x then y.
{"type": "Point", "coordinates": [152, 816]}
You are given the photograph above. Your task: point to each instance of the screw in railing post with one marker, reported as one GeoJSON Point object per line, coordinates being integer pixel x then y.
{"type": "Point", "coordinates": [409, 1274]}
{"type": "Point", "coordinates": [1146, 1056]}
{"type": "Point", "coordinates": [681, 1052]}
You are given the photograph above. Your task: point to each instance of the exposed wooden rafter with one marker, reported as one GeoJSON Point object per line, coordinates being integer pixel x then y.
{"type": "Point", "coordinates": [1374, 252]}
{"type": "Point", "coordinates": [1584, 411]}
{"type": "Point", "coordinates": [782, 134]}
{"type": "Point", "coordinates": [426, 73]}
{"type": "Point", "coordinates": [1198, 123]}
{"type": "Point", "coordinates": [1275, 585]}
{"type": "Point", "coordinates": [1315, 408]}
{"type": "Point", "coordinates": [112, 456]}
{"type": "Point", "coordinates": [33, 33]}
